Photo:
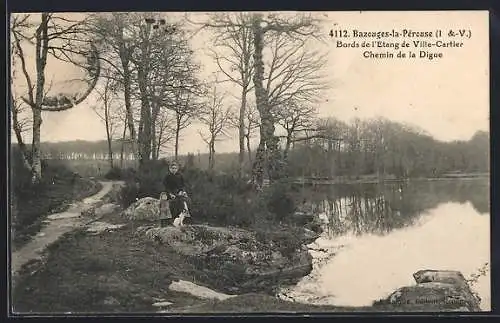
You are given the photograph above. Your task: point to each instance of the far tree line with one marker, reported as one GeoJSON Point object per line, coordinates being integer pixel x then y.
{"type": "Point", "coordinates": [363, 147]}
{"type": "Point", "coordinates": [142, 70]}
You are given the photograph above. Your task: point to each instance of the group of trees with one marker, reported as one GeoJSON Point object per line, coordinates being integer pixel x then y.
{"type": "Point", "coordinates": [271, 56]}
{"type": "Point", "coordinates": [142, 71]}
{"type": "Point", "coordinates": [383, 147]}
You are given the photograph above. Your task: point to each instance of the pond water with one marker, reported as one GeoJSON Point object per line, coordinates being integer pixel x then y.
{"type": "Point", "coordinates": [377, 235]}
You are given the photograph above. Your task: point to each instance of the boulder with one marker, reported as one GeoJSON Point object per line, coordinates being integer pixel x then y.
{"type": "Point", "coordinates": [107, 208]}
{"type": "Point", "coordinates": [88, 210]}
{"type": "Point", "coordinates": [147, 208]}
{"type": "Point", "coordinates": [99, 209]}
{"type": "Point", "coordinates": [195, 240]}
{"type": "Point", "coordinates": [99, 227]}
{"type": "Point", "coordinates": [233, 259]}
{"type": "Point", "coordinates": [436, 290]}
{"type": "Point", "coordinates": [114, 194]}
{"type": "Point", "coordinates": [203, 292]}
{"type": "Point", "coordinates": [110, 300]}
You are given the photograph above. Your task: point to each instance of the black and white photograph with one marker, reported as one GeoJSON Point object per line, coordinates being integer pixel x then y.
{"type": "Point", "coordinates": [249, 162]}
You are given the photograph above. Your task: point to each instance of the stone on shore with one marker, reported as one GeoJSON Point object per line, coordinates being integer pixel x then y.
{"type": "Point", "coordinates": [197, 290]}
{"type": "Point", "coordinates": [435, 290]}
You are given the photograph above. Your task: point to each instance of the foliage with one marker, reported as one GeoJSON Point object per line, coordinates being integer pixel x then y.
{"type": "Point", "coordinates": [384, 146]}
{"type": "Point", "coordinates": [380, 146]}
{"type": "Point", "coordinates": [32, 202]}
{"type": "Point", "coordinates": [219, 199]}
{"type": "Point", "coordinates": [114, 173]}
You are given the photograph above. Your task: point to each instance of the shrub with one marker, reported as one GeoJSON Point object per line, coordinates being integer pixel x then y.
{"type": "Point", "coordinates": [280, 200]}
{"type": "Point", "coordinates": [147, 181]}
{"type": "Point", "coordinates": [217, 199]}
{"type": "Point", "coordinates": [114, 173]}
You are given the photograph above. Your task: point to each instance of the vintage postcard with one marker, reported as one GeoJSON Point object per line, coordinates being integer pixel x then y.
{"type": "Point", "coordinates": [238, 162]}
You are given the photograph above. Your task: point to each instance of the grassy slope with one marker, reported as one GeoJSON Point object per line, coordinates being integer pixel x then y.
{"type": "Point", "coordinates": [55, 197]}
{"type": "Point", "coordinates": [121, 272]}
{"type": "Point", "coordinates": [83, 272]}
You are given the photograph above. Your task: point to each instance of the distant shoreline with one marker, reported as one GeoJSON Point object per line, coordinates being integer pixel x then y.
{"type": "Point", "coordinates": [374, 180]}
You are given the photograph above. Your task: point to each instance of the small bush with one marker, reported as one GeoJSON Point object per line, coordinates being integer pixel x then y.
{"type": "Point", "coordinates": [114, 173]}
{"type": "Point", "coordinates": [217, 199]}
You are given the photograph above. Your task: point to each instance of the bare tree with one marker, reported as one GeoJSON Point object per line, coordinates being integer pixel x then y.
{"type": "Point", "coordinates": [294, 117]}
{"type": "Point", "coordinates": [216, 118]}
{"type": "Point", "coordinates": [295, 72]}
{"type": "Point", "coordinates": [165, 130]}
{"type": "Point", "coordinates": [184, 107]}
{"type": "Point", "coordinates": [296, 27]}
{"type": "Point", "coordinates": [116, 45]}
{"type": "Point", "coordinates": [252, 124]}
{"type": "Point", "coordinates": [172, 70]}
{"type": "Point", "coordinates": [141, 59]}
{"type": "Point", "coordinates": [301, 26]}
{"type": "Point", "coordinates": [235, 38]}
{"type": "Point", "coordinates": [20, 124]}
{"type": "Point", "coordinates": [107, 113]}
{"type": "Point", "coordinates": [65, 40]}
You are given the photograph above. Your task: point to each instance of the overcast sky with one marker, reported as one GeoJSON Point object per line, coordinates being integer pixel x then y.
{"type": "Point", "coordinates": [447, 97]}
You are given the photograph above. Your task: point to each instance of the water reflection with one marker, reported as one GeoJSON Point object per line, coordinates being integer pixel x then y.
{"type": "Point", "coordinates": [380, 208]}
{"type": "Point", "coordinates": [377, 244]}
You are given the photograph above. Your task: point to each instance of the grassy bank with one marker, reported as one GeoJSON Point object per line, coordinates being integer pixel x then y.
{"type": "Point", "coordinates": [31, 204]}
{"type": "Point", "coordinates": [111, 272]}
{"type": "Point", "coordinates": [123, 272]}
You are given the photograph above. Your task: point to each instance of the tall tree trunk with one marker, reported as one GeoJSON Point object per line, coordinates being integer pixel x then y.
{"type": "Point", "coordinates": [249, 149]}
{"type": "Point", "coordinates": [145, 126]}
{"type": "Point", "coordinates": [122, 148]}
{"type": "Point", "coordinates": [15, 121]}
{"type": "Point", "coordinates": [268, 154]}
{"type": "Point", "coordinates": [259, 164]}
{"type": "Point", "coordinates": [108, 130]}
{"type": "Point", "coordinates": [41, 61]}
{"type": "Point", "coordinates": [288, 144]}
{"type": "Point", "coordinates": [241, 128]}
{"type": "Point", "coordinates": [142, 78]}
{"type": "Point", "coordinates": [154, 143]}
{"type": "Point", "coordinates": [158, 141]}
{"type": "Point", "coordinates": [211, 154]}
{"type": "Point", "coordinates": [177, 132]}
{"type": "Point", "coordinates": [19, 135]}
{"type": "Point", "coordinates": [127, 97]}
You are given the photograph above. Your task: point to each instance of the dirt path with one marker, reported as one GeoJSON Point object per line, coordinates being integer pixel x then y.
{"type": "Point", "coordinates": [55, 226]}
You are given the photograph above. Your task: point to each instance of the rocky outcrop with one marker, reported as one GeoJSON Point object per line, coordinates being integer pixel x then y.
{"type": "Point", "coordinates": [236, 260]}
{"type": "Point", "coordinates": [98, 227]}
{"type": "Point", "coordinates": [114, 194]}
{"type": "Point", "coordinates": [99, 209]}
{"type": "Point", "coordinates": [436, 290]}
{"type": "Point", "coordinates": [147, 208]}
